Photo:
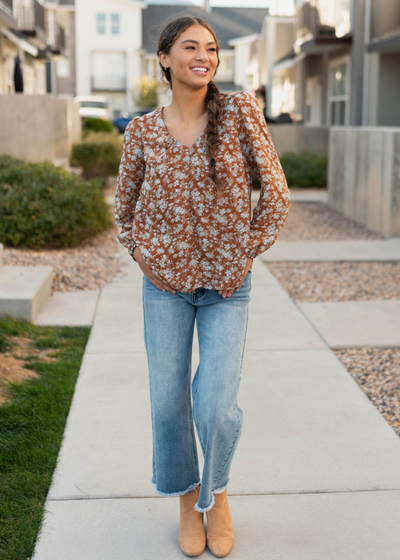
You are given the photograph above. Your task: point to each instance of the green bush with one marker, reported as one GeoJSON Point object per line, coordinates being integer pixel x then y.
{"type": "Point", "coordinates": [99, 155]}
{"type": "Point", "coordinates": [91, 124]}
{"type": "Point", "coordinates": [305, 169]}
{"type": "Point", "coordinates": [41, 205]}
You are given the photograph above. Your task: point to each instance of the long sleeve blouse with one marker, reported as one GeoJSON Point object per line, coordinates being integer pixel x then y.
{"type": "Point", "coordinates": [166, 202]}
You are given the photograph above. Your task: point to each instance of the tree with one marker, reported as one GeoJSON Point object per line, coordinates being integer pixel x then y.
{"type": "Point", "coordinates": [145, 92]}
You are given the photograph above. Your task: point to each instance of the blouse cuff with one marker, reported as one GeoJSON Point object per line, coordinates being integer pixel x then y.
{"type": "Point", "coordinates": [130, 251]}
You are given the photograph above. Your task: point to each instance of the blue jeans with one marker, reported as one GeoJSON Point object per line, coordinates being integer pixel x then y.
{"type": "Point", "coordinates": [168, 330]}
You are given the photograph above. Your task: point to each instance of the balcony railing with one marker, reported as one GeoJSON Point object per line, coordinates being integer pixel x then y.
{"type": "Point", "coordinates": [108, 83]}
{"type": "Point", "coordinates": [385, 18]}
{"type": "Point", "coordinates": [321, 17]}
{"type": "Point", "coordinates": [31, 21]}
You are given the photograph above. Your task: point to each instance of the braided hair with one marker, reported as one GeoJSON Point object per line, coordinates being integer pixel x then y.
{"type": "Point", "coordinates": [168, 35]}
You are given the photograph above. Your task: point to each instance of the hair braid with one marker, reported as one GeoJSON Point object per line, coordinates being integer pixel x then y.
{"type": "Point", "coordinates": [213, 102]}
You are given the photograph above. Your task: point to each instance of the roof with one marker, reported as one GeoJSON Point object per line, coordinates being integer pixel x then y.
{"type": "Point", "coordinates": [228, 23]}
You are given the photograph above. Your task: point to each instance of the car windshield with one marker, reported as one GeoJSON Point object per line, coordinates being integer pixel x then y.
{"type": "Point", "coordinates": [94, 104]}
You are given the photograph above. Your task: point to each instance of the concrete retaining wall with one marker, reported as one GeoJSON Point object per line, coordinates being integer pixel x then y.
{"type": "Point", "coordinates": [299, 138]}
{"type": "Point", "coordinates": [364, 176]}
{"type": "Point", "coordinates": [38, 127]}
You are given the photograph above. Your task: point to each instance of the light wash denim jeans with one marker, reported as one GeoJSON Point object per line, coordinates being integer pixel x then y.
{"type": "Point", "coordinates": [168, 329]}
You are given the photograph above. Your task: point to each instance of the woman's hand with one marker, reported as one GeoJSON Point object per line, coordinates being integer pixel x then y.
{"type": "Point", "coordinates": [149, 273]}
{"type": "Point", "coordinates": [246, 269]}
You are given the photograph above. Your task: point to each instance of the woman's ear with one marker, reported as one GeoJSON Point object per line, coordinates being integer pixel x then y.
{"type": "Point", "coordinates": [163, 60]}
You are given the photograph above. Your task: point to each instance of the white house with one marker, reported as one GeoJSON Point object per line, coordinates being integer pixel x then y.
{"type": "Point", "coordinates": [108, 39]}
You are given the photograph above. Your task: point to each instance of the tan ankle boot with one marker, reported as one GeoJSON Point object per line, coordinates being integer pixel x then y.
{"type": "Point", "coordinates": [219, 526]}
{"type": "Point", "coordinates": [192, 538]}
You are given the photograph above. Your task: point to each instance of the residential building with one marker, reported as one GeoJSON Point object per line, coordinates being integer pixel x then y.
{"type": "Point", "coordinates": [61, 70]}
{"type": "Point", "coordinates": [108, 40]}
{"type": "Point", "coordinates": [8, 46]}
{"type": "Point", "coordinates": [381, 57]}
{"type": "Point", "coordinates": [28, 32]}
{"type": "Point", "coordinates": [237, 30]}
{"type": "Point", "coordinates": [342, 65]}
{"type": "Point", "coordinates": [24, 35]}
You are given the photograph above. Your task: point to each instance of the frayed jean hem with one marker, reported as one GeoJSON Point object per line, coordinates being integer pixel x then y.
{"type": "Point", "coordinates": [181, 493]}
{"type": "Point", "coordinates": [217, 491]}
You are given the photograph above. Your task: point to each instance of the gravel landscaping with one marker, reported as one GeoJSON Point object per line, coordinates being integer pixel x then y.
{"type": "Point", "coordinates": [333, 281]}
{"type": "Point", "coordinates": [89, 266]}
{"type": "Point", "coordinates": [377, 372]}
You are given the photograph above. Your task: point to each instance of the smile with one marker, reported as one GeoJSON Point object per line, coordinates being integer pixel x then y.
{"type": "Point", "coordinates": [199, 70]}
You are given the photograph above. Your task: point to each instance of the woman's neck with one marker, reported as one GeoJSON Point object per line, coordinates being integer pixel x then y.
{"type": "Point", "coordinates": [187, 106]}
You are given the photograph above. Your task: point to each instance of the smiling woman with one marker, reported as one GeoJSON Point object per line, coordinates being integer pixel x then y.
{"type": "Point", "coordinates": [183, 204]}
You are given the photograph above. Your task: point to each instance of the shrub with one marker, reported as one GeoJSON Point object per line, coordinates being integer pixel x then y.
{"type": "Point", "coordinates": [305, 169]}
{"type": "Point", "coordinates": [96, 125]}
{"type": "Point", "coordinates": [41, 205]}
{"type": "Point", "coordinates": [99, 155]}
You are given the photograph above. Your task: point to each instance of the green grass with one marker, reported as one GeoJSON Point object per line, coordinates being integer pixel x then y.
{"type": "Point", "coordinates": [31, 430]}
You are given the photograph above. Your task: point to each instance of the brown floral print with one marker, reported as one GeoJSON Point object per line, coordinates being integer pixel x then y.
{"type": "Point", "coordinates": [166, 202]}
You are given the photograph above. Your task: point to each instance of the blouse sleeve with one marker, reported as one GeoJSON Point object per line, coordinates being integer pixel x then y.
{"type": "Point", "coordinates": [272, 208]}
{"type": "Point", "coordinates": [129, 181]}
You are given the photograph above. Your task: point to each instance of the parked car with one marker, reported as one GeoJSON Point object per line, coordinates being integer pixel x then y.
{"type": "Point", "coordinates": [95, 106]}
{"type": "Point", "coordinates": [122, 121]}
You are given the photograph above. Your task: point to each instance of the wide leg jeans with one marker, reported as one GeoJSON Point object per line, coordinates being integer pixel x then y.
{"type": "Point", "coordinates": [209, 401]}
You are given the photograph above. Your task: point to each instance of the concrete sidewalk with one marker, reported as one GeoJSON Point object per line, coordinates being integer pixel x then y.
{"type": "Point", "coordinates": [316, 474]}
{"type": "Point", "coordinates": [331, 251]}
{"type": "Point", "coordinates": [345, 324]}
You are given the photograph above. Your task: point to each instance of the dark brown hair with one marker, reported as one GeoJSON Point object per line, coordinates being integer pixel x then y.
{"type": "Point", "coordinates": [168, 35]}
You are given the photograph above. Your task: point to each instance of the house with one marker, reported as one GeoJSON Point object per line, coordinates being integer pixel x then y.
{"type": "Point", "coordinates": [108, 41]}
{"type": "Point", "coordinates": [342, 64]}
{"type": "Point", "coordinates": [237, 30]}
{"type": "Point", "coordinates": [26, 31]}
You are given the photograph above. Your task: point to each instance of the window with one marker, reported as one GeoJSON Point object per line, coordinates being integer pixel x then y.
{"type": "Point", "coordinates": [338, 93]}
{"type": "Point", "coordinates": [63, 68]}
{"type": "Point", "coordinates": [101, 23]}
{"type": "Point", "coordinates": [115, 24]}
{"type": "Point", "coordinates": [108, 71]}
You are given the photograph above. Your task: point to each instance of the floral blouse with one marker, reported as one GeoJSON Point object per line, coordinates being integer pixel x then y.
{"type": "Point", "coordinates": [166, 202]}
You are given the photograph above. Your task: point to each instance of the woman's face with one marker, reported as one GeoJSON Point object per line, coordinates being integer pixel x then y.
{"type": "Point", "coordinates": [194, 49]}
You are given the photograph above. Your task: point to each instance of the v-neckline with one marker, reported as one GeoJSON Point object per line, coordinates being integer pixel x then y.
{"type": "Point", "coordinates": [174, 139]}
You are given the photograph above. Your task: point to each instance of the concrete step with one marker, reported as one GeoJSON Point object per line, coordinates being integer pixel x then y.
{"type": "Point", "coordinates": [69, 309]}
{"type": "Point", "coordinates": [24, 290]}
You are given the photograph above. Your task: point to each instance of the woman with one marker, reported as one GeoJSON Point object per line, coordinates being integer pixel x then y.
{"type": "Point", "coordinates": [183, 204]}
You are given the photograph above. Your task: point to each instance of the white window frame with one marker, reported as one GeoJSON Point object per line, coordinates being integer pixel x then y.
{"type": "Point", "coordinates": [99, 23]}
{"type": "Point", "coordinates": [116, 24]}
{"type": "Point", "coordinates": [346, 98]}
